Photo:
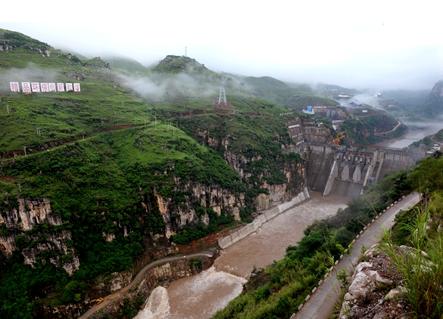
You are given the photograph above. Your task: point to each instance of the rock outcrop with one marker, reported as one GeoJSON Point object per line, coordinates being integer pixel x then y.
{"type": "Point", "coordinates": [28, 214]}
{"type": "Point", "coordinates": [219, 200]}
{"type": "Point", "coordinates": [271, 193]}
{"type": "Point", "coordinates": [375, 290]}
{"type": "Point", "coordinates": [21, 219]}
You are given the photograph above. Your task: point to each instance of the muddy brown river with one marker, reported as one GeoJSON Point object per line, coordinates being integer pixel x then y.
{"type": "Point", "coordinates": [200, 296]}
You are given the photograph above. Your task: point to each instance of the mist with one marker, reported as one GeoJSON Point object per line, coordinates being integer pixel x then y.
{"type": "Point", "coordinates": [31, 73]}
{"type": "Point", "coordinates": [158, 87]}
{"type": "Point", "coordinates": [373, 44]}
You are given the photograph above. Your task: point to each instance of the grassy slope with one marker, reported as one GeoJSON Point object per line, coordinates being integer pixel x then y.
{"type": "Point", "coordinates": [96, 184]}
{"type": "Point", "coordinates": [296, 96]}
{"type": "Point", "coordinates": [102, 103]}
{"type": "Point", "coordinates": [256, 130]}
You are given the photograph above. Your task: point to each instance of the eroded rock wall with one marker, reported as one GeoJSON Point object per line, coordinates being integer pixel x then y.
{"type": "Point", "coordinates": [194, 209]}
{"type": "Point", "coordinates": [23, 217]}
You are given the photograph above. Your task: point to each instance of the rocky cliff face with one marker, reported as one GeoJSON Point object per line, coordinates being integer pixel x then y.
{"type": "Point", "coordinates": [291, 171]}
{"type": "Point", "coordinates": [28, 214]}
{"type": "Point", "coordinates": [177, 216]}
{"type": "Point", "coordinates": [19, 221]}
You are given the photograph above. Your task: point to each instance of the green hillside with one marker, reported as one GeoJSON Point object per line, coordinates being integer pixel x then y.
{"type": "Point", "coordinates": [126, 65]}
{"type": "Point", "coordinates": [102, 104]}
{"type": "Point", "coordinates": [96, 187]}
{"type": "Point", "coordinates": [104, 158]}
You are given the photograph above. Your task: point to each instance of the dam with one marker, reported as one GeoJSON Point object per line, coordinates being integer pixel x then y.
{"type": "Point", "coordinates": [348, 171]}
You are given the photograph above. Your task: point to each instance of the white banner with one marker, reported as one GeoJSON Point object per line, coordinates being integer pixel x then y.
{"type": "Point", "coordinates": [26, 87]}
{"type": "Point", "coordinates": [14, 86]}
{"type": "Point", "coordinates": [69, 87]}
{"type": "Point", "coordinates": [61, 87]}
{"type": "Point", "coordinates": [44, 87]}
{"type": "Point", "coordinates": [76, 87]}
{"type": "Point", "coordinates": [35, 86]}
{"type": "Point", "coordinates": [52, 87]}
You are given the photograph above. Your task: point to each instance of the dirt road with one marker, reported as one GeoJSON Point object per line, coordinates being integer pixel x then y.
{"type": "Point", "coordinates": [120, 294]}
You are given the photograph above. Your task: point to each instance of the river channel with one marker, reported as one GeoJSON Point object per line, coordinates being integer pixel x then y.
{"type": "Point", "coordinates": [200, 296]}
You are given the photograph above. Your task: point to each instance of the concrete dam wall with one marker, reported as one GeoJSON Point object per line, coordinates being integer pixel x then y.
{"type": "Point", "coordinates": [345, 171]}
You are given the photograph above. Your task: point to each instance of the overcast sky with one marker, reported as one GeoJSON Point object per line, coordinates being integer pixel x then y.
{"type": "Point", "coordinates": [373, 43]}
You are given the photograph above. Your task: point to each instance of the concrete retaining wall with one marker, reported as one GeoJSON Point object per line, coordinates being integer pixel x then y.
{"type": "Point", "coordinates": [261, 219]}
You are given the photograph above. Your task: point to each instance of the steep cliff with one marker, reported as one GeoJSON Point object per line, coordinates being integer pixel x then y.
{"type": "Point", "coordinates": [52, 245]}
{"type": "Point", "coordinates": [256, 143]}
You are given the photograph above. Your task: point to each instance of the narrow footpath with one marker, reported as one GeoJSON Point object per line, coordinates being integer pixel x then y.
{"type": "Point", "coordinates": [321, 303]}
{"type": "Point", "coordinates": [120, 294]}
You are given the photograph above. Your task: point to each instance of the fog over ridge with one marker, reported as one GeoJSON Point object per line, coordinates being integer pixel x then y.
{"type": "Point", "coordinates": [371, 44]}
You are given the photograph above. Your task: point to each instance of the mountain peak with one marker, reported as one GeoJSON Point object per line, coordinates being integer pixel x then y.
{"type": "Point", "coordinates": [10, 40]}
{"type": "Point", "coordinates": [177, 64]}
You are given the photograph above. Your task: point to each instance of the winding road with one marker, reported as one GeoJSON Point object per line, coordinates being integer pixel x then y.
{"type": "Point", "coordinates": [120, 294]}
{"type": "Point", "coordinates": [322, 302]}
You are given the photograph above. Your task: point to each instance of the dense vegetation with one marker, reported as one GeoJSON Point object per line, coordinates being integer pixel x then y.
{"type": "Point", "coordinates": [18, 40]}
{"type": "Point", "coordinates": [96, 186]}
{"type": "Point", "coordinates": [420, 228]}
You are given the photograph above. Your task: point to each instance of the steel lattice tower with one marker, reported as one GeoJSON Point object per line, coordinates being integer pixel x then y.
{"type": "Point", "coordinates": [222, 97]}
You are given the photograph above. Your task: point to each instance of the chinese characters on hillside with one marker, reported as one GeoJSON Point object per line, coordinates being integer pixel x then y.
{"type": "Point", "coordinates": [43, 87]}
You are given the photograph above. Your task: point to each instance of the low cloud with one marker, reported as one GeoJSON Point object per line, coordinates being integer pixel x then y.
{"type": "Point", "coordinates": [31, 73]}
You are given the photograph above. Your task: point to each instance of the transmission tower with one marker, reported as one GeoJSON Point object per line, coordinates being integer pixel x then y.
{"type": "Point", "coordinates": [222, 98]}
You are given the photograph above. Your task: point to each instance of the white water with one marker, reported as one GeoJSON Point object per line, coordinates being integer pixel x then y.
{"type": "Point", "coordinates": [202, 295]}
{"type": "Point", "coordinates": [157, 306]}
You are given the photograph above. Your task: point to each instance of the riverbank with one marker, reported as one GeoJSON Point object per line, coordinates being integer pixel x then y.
{"type": "Point", "coordinates": [156, 273]}
{"type": "Point", "coordinates": [200, 296]}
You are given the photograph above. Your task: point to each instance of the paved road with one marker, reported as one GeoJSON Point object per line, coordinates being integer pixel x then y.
{"type": "Point", "coordinates": [322, 302]}
{"type": "Point", "coordinates": [120, 294]}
